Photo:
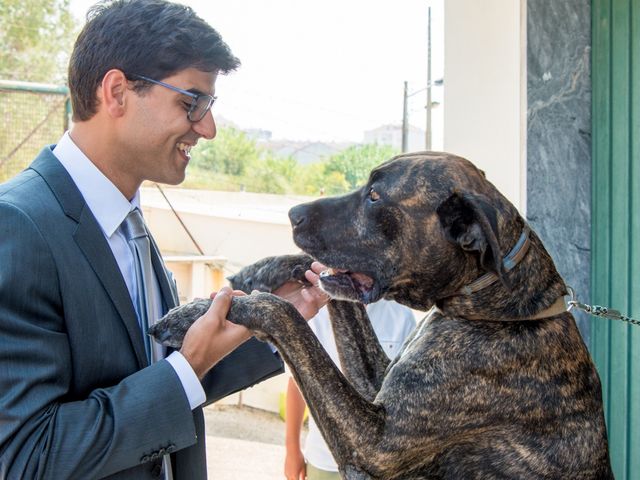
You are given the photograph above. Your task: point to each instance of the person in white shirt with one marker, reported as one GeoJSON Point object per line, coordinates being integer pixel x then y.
{"type": "Point", "coordinates": [392, 324]}
{"type": "Point", "coordinates": [81, 395]}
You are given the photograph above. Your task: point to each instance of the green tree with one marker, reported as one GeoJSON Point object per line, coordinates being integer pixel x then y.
{"type": "Point", "coordinates": [37, 38]}
{"type": "Point", "coordinates": [232, 153]}
{"type": "Point", "coordinates": [356, 162]}
{"type": "Point", "coordinates": [313, 179]}
{"type": "Point", "coordinates": [233, 161]}
{"type": "Point", "coordinates": [273, 175]}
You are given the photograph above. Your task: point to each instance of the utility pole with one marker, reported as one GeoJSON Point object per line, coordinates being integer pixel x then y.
{"type": "Point", "coordinates": [405, 120]}
{"type": "Point", "coordinates": [427, 139]}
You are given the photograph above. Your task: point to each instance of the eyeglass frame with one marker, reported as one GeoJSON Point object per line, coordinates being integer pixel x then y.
{"type": "Point", "coordinates": [194, 96]}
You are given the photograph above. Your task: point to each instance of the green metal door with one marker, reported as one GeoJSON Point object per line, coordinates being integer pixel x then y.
{"type": "Point", "coordinates": [616, 222]}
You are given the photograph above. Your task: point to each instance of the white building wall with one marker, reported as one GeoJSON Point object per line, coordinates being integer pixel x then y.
{"type": "Point", "coordinates": [241, 226]}
{"type": "Point", "coordinates": [485, 89]}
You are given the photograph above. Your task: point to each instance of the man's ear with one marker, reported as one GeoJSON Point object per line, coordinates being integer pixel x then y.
{"type": "Point", "coordinates": [470, 222]}
{"type": "Point", "coordinates": [112, 92]}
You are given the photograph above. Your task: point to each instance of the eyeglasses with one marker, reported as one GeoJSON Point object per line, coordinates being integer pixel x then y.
{"type": "Point", "coordinates": [200, 103]}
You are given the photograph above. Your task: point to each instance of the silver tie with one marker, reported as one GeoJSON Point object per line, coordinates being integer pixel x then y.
{"type": "Point", "coordinates": [147, 303]}
{"type": "Point", "coordinates": [138, 239]}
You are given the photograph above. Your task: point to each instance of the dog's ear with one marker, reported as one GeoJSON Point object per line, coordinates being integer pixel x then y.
{"type": "Point", "coordinates": [470, 222]}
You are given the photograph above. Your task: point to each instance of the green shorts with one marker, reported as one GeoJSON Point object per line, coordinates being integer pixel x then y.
{"type": "Point", "coordinates": [314, 473]}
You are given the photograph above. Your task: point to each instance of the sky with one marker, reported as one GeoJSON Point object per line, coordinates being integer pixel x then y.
{"type": "Point", "coordinates": [323, 70]}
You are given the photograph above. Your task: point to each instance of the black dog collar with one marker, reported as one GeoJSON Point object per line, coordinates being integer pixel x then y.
{"type": "Point", "coordinates": [516, 254]}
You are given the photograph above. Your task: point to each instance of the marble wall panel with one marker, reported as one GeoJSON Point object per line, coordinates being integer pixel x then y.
{"type": "Point", "coordinates": [559, 136]}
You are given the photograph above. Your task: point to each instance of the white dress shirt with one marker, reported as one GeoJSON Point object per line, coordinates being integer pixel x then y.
{"type": "Point", "coordinates": [110, 208]}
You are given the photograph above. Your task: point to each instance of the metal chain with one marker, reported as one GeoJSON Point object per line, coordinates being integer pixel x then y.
{"type": "Point", "coordinates": [597, 310]}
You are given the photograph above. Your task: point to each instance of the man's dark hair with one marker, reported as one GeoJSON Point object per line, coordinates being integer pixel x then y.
{"type": "Point", "coordinates": [153, 38]}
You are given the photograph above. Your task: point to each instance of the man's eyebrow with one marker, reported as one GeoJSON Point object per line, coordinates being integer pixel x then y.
{"type": "Point", "coordinates": [196, 91]}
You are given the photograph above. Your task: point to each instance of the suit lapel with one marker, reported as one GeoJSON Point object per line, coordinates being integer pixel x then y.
{"type": "Point", "coordinates": [91, 241]}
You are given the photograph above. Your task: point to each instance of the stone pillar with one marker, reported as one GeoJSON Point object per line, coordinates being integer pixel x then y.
{"type": "Point", "coordinates": [559, 136]}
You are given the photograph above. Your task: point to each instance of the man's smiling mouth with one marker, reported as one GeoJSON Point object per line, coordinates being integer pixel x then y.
{"type": "Point", "coordinates": [185, 148]}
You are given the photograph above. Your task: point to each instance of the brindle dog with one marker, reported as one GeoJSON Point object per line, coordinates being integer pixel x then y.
{"type": "Point", "coordinates": [496, 383]}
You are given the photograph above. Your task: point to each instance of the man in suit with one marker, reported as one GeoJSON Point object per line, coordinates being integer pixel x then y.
{"type": "Point", "coordinates": [78, 396]}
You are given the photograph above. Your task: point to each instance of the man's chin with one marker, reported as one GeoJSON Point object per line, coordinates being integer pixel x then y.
{"type": "Point", "coordinates": [174, 178]}
{"type": "Point", "coordinates": [177, 181]}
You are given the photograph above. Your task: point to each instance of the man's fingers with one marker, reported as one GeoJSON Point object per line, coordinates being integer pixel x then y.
{"type": "Point", "coordinates": [235, 293]}
{"type": "Point", "coordinates": [212, 336]}
{"type": "Point", "coordinates": [224, 291]}
{"type": "Point", "coordinates": [318, 267]}
{"type": "Point", "coordinates": [315, 296]}
{"type": "Point", "coordinates": [221, 302]}
{"type": "Point", "coordinates": [312, 277]}
{"type": "Point", "coordinates": [287, 290]}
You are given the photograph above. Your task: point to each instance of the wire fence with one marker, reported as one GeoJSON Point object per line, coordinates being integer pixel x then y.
{"type": "Point", "coordinates": [31, 116]}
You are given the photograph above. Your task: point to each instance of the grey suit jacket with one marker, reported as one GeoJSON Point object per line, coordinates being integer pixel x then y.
{"type": "Point", "coordinates": [77, 397]}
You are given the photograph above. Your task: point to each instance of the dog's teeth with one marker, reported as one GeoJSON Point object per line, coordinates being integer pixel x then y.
{"type": "Point", "coordinates": [335, 271]}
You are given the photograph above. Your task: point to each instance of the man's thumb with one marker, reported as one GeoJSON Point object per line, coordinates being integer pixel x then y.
{"type": "Point", "coordinates": [222, 300]}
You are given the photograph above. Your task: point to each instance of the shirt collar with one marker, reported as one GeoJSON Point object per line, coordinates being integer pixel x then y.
{"type": "Point", "coordinates": [108, 205]}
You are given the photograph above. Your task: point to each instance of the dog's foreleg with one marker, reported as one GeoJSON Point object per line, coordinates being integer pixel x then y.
{"type": "Point", "coordinates": [362, 358]}
{"type": "Point", "coordinates": [269, 273]}
{"type": "Point", "coordinates": [350, 424]}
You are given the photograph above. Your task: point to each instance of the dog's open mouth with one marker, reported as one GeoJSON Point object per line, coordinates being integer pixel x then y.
{"type": "Point", "coordinates": [347, 285]}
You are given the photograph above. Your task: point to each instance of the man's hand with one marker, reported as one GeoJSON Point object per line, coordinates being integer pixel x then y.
{"type": "Point", "coordinates": [307, 300]}
{"type": "Point", "coordinates": [294, 466]}
{"type": "Point", "coordinates": [212, 336]}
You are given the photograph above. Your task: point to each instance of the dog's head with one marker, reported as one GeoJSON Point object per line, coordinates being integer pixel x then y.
{"type": "Point", "coordinates": [423, 226]}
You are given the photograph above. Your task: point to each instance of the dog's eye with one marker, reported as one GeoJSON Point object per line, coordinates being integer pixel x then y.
{"type": "Point", "coordinates": [373, 195]}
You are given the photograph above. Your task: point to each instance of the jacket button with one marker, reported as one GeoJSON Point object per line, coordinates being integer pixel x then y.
{"type": "Point", "coordinates": [156, 470]}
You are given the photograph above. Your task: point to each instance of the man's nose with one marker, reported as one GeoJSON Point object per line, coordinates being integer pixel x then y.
{"type": "Point", "coordinates": [206, 127]}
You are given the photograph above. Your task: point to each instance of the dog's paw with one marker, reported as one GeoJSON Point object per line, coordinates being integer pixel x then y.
{"type": "Point", "coordinates": [268, 274]}
{"type": "Point", "coordinates": [260, 312]}
{"type": "Point", "coordinates": [171, 329]}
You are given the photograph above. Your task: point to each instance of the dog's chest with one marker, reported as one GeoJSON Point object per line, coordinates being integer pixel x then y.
{"type": "Point", "coordinates": [423, 357]}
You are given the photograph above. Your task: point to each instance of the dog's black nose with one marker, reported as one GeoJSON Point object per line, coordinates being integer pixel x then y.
{"type": "Point", "coordinates": [297, 216]}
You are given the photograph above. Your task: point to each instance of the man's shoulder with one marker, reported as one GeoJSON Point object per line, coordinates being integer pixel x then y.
{"type": "Point", "coordinates": [15, 188]}
{"type": "Point", "coordinates": [29, 188]}
{"type": "Point", "coordinates": [29, 193]}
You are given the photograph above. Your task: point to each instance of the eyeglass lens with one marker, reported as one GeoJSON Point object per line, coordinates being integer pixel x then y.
{"type": "Point", "coordinates": [200, 108]}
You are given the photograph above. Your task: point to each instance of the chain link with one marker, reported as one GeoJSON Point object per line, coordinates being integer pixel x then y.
{"type": "Point", "coordinates": [597, 310]}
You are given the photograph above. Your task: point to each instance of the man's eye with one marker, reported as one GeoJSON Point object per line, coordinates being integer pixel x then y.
{"type": "Point", "coordinates": [186, 105]}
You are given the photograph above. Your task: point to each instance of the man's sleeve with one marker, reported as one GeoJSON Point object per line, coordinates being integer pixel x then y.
{"type": "Point", "coordinates": [43, 434]}
{"type": "Point", "coordinates": [250, 363]}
